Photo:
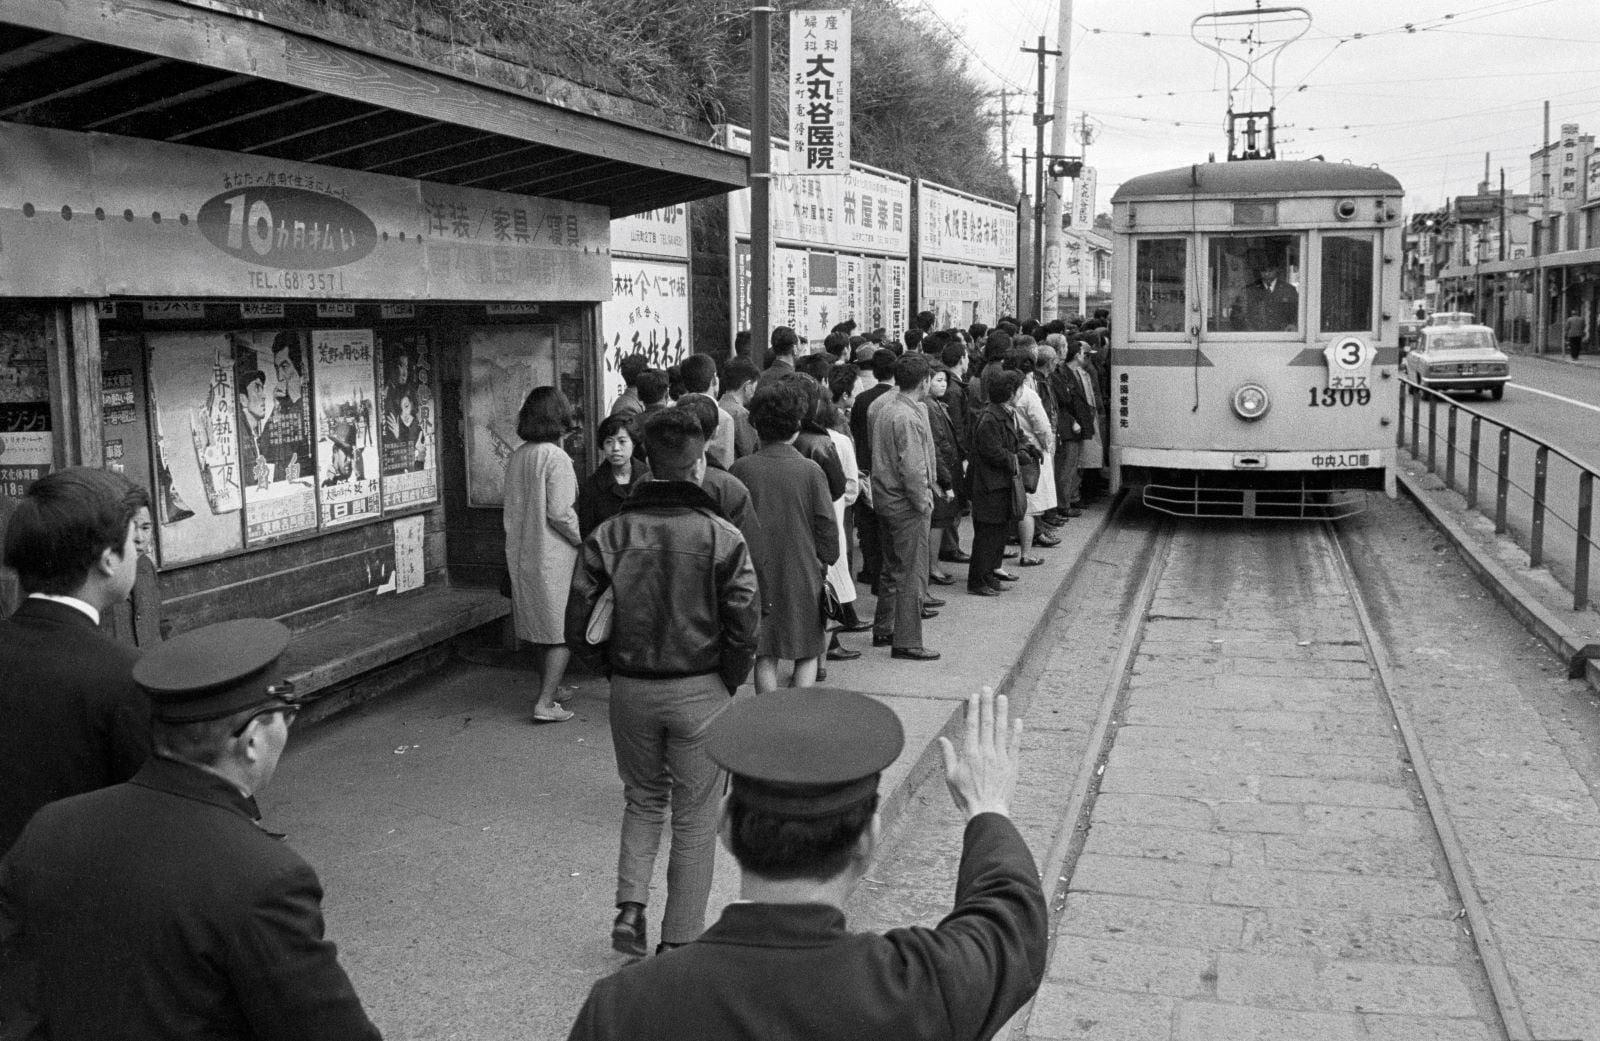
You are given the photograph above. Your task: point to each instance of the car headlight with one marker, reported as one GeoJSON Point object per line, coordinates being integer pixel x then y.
{"type": "Point", "coordinates": [1251, 402]}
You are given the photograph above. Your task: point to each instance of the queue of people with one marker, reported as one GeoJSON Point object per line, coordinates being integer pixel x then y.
{"type": "Point", "coordinates": [710, 547]}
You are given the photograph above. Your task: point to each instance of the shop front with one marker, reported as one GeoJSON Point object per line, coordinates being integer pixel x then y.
{"type": "Point", "coordinates": [311, 357]}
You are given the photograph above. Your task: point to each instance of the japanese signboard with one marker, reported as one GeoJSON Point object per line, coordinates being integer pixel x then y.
{"type": "Point", "coordinates": [409, 430]}
{"type": "Point", "coordinates": [191, 222]}
{"type": "Point", "coordinates": [347, 443]}
{"type": "Point", "coordinates": [1083, 199]}
{"type": "Point", "coordinates": [504, 363]}
{"type": "Point", "coordinates": [866, 209]}
{"type": "Point", "coordinates": [959, 294]}
{"type": "Point", "coordinates": [198, 483]}
{"type": "Point", "coordinates": [952, 225]}
{"type": "Point", "coordinates": [791, 288]}
{"type": "Point", "coordinates": [819, 92]}
{"type": "Point", "coordinates": [648, 314]}
{"type": "Point", "coordinates": [654, 233]}
{"type": "Point", "coordinates": [272, 380]}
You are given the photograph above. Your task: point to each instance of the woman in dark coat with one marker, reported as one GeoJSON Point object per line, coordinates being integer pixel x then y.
{"type": "Point", "coordinates": [814, 442]}
{"type": "Point", "coordinates": [995, 444]}
{"type": "Point", "coordinates": [601, 494]}
{"type": "Point", "coordinates": [800, 536]}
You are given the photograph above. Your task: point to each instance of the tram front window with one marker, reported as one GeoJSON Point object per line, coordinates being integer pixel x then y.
{"type": "Point", "coordinates": [1253, 284]}
{"type": "Point", "coordinates": [1347, 284]}
{"type": "Point", "coordinates": [1160, 270]}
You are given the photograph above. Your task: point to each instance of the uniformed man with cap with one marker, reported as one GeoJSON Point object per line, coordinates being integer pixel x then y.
{"type": "Point", "coordinates": [802, 822]}
{"type": "Point", "coordinates": [159, 907]}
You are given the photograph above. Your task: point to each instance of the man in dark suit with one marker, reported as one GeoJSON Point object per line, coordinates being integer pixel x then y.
{"type": "Point", "coordinates": [74, 721]}
{"type": "Point", "coordinates": [1269, 304]}
{"type": "Point", "coordinates": [159, 907]}
{"type": "Point", "coordinates": [801, 821]}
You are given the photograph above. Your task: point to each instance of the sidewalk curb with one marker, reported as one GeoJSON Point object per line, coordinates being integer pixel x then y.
{"type": "Point", "coordinates": [893, 803]}
{"type": "Point", "coordinates": [1535, 616]}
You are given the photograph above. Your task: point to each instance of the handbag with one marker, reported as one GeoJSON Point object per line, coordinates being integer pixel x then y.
{"type": "Point", "coordinates": [1019, 497]}
{"type": "Point", "coordinates": [1028, 472]}
{"type": "Point", "coordinates": [828, 603]}
{"type": "Point", "coordinates": [599, 628]}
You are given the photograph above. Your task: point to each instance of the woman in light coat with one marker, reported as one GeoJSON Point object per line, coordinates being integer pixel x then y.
{"type": "Point", "coordinates": [542, 539]}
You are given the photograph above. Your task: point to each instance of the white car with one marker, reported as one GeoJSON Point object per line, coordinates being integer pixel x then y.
{"type": "Point", "coordinates": [1459, 357]}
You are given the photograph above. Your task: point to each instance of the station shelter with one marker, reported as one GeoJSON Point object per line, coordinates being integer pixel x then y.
{"type": "Point", "coordinates": [297, 290]}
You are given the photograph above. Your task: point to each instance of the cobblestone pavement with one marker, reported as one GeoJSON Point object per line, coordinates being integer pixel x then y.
{"type": "Point", "coordinates": [1260, 862]}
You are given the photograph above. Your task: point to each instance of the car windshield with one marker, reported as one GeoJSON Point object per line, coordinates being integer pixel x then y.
{"type": "Point", "coordinates": [1458, 339]}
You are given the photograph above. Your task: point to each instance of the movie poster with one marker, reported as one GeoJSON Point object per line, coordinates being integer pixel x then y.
{"type": "Point", "coordinates": [273, 384]}
{"type": "Point", "coordinates": [26, 445]}
{"type": "Point", "coordinates": [195, 438]}
{"type": "Point", "coordinates": [346, 414]}
{"type": "Point", "coordinates": [410, 417]}
{"type": "Point", "coordinates": [505, 362]}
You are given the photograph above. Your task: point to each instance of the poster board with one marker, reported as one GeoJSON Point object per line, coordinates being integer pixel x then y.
{"type": "Point", "coordinates": [195, 446]}
{"type": "Point", "coordinates": [648, 314]}
{"type": "Point", "coordinates": [408, 432]}
{"type": "Point", "coordinates": [504, 363]}
{"type": "Point", "coordinates": [347, 447]}
{"type": "Point", "coordinates": [26, 441]}
{"type": "Point", "coordinates": [273, 385]}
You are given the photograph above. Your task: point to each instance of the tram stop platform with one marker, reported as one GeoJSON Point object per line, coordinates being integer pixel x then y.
{"type": "Point", "coordinates": [468, 856]}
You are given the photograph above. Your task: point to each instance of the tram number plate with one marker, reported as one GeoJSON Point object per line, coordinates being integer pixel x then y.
{"type": "Point", "coordinates": [1338, 381]}
{"type": "Point", "coordinates": [1342, 460]}
{"type": "Point", "coordinates": [1329, 397]}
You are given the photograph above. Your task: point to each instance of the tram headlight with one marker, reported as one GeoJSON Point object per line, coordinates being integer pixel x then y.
{"type": "Point", "coordinates": [1251, 402]}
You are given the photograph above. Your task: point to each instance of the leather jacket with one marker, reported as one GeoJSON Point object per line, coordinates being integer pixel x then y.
{"type": "Point", "coordinates": [686, 597]}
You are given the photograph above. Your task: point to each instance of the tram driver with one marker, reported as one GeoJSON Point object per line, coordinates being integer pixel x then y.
{"type": "Point", "coordinates": [1270, 303]}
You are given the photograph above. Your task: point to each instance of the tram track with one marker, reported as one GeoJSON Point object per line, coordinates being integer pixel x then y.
{"type": "Point", "coordinates": [1494, 999]}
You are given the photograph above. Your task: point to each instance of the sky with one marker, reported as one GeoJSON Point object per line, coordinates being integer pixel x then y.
{"type": "Point", "coordinates": [1420, 88]}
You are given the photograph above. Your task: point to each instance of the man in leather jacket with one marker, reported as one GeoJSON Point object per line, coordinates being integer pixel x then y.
{"type": "Point", "coordinates": [682, 640]}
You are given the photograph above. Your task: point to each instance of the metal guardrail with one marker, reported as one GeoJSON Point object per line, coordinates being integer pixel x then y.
{"type": "Point", "coordinates": [1423, 399]}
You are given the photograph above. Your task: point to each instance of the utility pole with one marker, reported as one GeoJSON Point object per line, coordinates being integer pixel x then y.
{"type": "Point", "coordinates": [1005, 124]}
{"type": "Point", "coordinates": [1040, 279]}
{"type": "Point", "coordinates": [760, 181]}
{"type": "Point", "coordinates": [1085, 135]}
{"type": "Point", "coordinates": [1054, 258]}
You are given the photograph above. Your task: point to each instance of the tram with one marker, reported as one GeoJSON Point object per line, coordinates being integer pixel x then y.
{"type": "Point", "coordinates": [1255, 338]}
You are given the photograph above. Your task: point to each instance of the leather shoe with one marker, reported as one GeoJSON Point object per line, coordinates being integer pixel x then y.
{"type": "Point", "coordinates": [858, 627]}
{"type": "Point", "coordinates": [663, 947]}
{"type": "Point", "coordinates": [941, 579]}
{"type": "Point", "coordinates": [957, 557]}
{"type": "Point", "coordinates": [882, 639]}
{"type": "Point", "coordinates": [843, 654]}
{"type": "Point", "coordinates": [1004, 576]}
{"type": "Point", "coordinates": [983, 591]}
{"type": "Point", "coordinates": [928, 612]}
{"type": "Point", "coordinates": [914, 654]}
{"type": "Point", "coordinates": [1045, 541]}
{"type": "Point", "coordinates": [932, 601]}
{"type": "Point", "coordinates": [628, 931]}
{"type": "Point", "coordinates": [1073, 511]}
{"type": "Point", "coordinates": [1009, 554]}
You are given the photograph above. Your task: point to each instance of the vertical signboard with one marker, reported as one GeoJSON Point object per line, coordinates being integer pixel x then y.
{"type": "Point", "coordinates": [276, 465]}
{"type": "Point", "coordinates": [124, 412]}
{"type": "Point", "coordinates": [347, 447]}
{"type": "Point", "coordinates": [819, 92]}
{"type": "Point", "coordinates": [198, 487]}
{"type": "Point", "coordinates": [791, 278]}
{"type": "Point", "coordinates": [408, 455]}
{"type": "Point", "coordinates": [648, 314]}
{"type": "Point", "coordinates": [1083, 200]}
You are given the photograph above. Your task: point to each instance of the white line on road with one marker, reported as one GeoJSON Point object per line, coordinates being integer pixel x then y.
{"type": "Point", "coordinates": [1558, 397]}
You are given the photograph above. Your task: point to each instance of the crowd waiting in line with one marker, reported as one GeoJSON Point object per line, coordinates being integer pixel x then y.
{"type": "Point", "coordinates": [139, 896]}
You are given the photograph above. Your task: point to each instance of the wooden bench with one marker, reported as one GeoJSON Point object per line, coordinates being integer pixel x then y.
{"type": "Point", "coordinates": [354, 658]}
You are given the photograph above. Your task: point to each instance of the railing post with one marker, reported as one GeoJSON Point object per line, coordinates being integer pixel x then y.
{"type": "Point", "coordinates": [1433, 433]}
{"type": "Point", "coordinates": [1580, 572]}
{"type": "Point", "coordinates": [1416, 420]}
{"type": "Point", "coordinates": [1472, 462]}
{"type": "Point", "coordinates": [1541, 472]}
{"type": "Point", "coordinates": [1450, 449]}
{"type": "Point", "coordinates": [1400, 428]}
{"type": "Point", "coordinates": [1502, 482]}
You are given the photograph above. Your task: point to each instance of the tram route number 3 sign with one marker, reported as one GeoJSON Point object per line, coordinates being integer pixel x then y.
{"type": "Point", "coordinates": [1349, 363]}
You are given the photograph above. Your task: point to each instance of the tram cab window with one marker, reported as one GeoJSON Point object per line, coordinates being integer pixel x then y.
{"type": "Point", "coordinates": [1347, 283]}
{"type": "Point", "coordinates": [1160, 273]}
{"type": "Point", "coordinates": [1254, 284]}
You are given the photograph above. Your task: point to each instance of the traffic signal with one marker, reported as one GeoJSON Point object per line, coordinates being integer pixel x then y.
{"type": "Point", "coordinates": [1066, 167]}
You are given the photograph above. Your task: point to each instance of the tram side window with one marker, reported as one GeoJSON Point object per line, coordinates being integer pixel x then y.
{"type": "Point", "coordinates": [1253, 284]}
{"type": "Point", "coordinates": [1160, 271]}
{"type": "Point", "coordinates": [1347, 284]}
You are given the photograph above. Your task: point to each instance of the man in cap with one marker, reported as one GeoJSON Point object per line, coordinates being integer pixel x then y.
{"type": "Point", "coordinates": [159, 907]}
{"type": "Point", "coordinates": [802, 822]}
{"type": "Point", "coordinates": [73, 719]}
{"type": "Point", "coordinates": [1269, 304]}
{"type": "Point", "coordinates": [683, 637]}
